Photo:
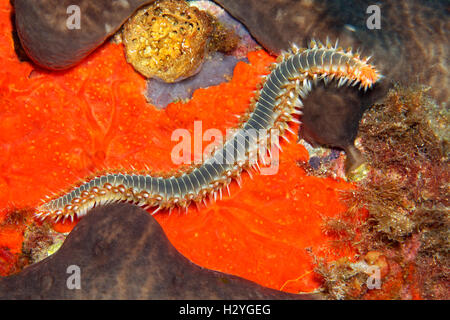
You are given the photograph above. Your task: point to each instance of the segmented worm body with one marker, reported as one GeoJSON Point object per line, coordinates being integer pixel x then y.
{"type": "Point", "coordinates": [275, 105]}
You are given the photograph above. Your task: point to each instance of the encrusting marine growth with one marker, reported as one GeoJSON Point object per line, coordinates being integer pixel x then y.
{"type": "Point", "coordinates": [170, 40]}
{"type": "Point", "coordinates": [167, 40]}
{"type": "Point", "coordinates": [274, 106]}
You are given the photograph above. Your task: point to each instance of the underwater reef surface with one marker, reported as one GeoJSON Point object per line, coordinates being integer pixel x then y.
{"type": "Point", "coordinates": [262, 230]}
{"type": "Point", "coordinates": [123, 253]}
{"type": "Point", "coordinates": [59, 127]}
{"type": "Point", "coordinates": [410, 46]}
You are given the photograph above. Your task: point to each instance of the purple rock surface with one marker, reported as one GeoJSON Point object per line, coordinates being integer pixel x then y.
{"type": "Point", "coordinates": [216, 69]}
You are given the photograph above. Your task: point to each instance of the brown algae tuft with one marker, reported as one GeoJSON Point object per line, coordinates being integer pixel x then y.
{"type": "Point", "coordinates": [405, 196]}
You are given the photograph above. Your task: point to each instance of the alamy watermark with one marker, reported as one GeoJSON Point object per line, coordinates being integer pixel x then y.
{"type": "Point", "coordinates": [73, 21]}
{"type": "Point", "coordinates": [374, 20]}
{"type": "Point", "coordinates": [74, 280]}
{"type": "Point", "coordinates": [374, 279]}
{"type": "Point", "coordinates": [257, 147]}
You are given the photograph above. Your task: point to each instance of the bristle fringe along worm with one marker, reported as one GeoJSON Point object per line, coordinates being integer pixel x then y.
{"type": "Point", "coordinates": [275, 105]}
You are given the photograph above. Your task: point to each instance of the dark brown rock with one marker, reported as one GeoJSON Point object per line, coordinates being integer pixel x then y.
{"type": "Point", "coordinates": [123, 253]}
{"type": "Point", "coordinates": [42, 28]}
